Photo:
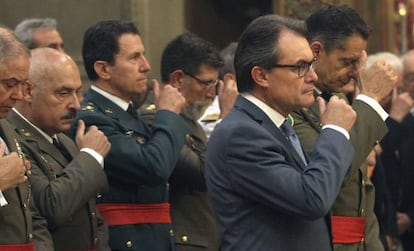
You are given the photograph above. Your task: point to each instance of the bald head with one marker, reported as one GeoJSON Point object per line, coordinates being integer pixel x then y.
{"type": "Point", "coordinates": [47, 65]}
{"type": "Point", "coordinates": [51, 101]}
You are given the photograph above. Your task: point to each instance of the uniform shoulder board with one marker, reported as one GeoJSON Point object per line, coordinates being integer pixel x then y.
{"type": "Point", "coordinates": [25, 133]}
{"type": "Point", "coordinates": [88, 107]}
{"type": "Point", "coordinates": [150, 107]}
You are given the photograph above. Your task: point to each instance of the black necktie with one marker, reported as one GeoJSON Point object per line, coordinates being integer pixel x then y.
{"type": "Point", "coordinates": [131, 110]}
{"type": "Point", "coordinates": [293, 138]}
{"type": "Point", "coordinates": [62, 149]}
{"type": "Point", "coordinates": [326, 95]}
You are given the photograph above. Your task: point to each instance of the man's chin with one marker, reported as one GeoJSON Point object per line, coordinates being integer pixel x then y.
{"type": "Point", "coordinates": [347, 89]}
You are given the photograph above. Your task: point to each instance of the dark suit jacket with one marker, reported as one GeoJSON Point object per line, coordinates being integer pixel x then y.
{"type": "Point", "coordinates": [64, 192]}
{"type": "Point", "coordinates": [19, 220]}
{"type": "Point", "coordinates": [193, 221]}
{"type": "Point", "coordinates": [138, 165]}
{"type": "Point", "coordinates": [357, 194]}
{"type": "Point", "coordinates": [263, 195]}
{"type": "Point", "coordinates": [403, 182]}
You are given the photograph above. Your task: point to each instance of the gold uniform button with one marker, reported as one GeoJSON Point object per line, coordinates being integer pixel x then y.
{"type": "Point", "coordinates": [30, 236]}
{"type": "Point", "coordinates": [128, 244]}
{"type": "Point", "coordinates": [362, 212]}
{"type": "Point", "coordinates": [184, 238]}
{"type": "Point", "coordinates": [363, 183]}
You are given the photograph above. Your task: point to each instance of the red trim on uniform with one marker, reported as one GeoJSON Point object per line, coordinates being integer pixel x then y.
{"type": "Point", "coordinates": [346, 230]}
{"type": "Point", "coordinates": [17, 247]}
{"type": "Point", "coordinates": [125, 214]}
{"type": "Point", "coordinates": [83, 249]}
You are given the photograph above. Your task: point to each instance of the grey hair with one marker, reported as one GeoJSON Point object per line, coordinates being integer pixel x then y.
{"type": "Point", "coordinates": [25, 28]}
{"type": "Point", "coordinates": [393, 60]}
{"type": "Point", "coordinates": [10, 45]}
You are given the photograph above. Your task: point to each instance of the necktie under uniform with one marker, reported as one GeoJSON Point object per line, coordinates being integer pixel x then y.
{"type": "Point", "coordinates": [293, 138]}
{"type": "Point", "coordinates": [62, 149]}
{"type": "Point", "coordinates": [131, 110]}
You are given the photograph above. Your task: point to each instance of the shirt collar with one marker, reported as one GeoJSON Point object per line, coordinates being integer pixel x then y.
{"type": "Point", "coordinates": [275, 116]}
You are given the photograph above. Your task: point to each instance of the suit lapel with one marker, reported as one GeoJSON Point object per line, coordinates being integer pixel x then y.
{"type": "Point", "coordinates": [258, 115]}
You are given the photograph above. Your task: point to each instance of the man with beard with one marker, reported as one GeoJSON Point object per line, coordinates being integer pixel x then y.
{"type": "Point", "coordinates": [191, 64]}
{"type": "Point", "coordinates": [65, 177]}
{"type": "Point", "coordinates": [141, 159]}
{"type": "Point", "coordinates": [338, 38]}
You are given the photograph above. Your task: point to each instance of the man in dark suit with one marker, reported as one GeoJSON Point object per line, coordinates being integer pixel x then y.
{"type": "Point", "coordinates": [191, 64]}
{"type": "Point", "coordinates": [338, 38]}
{"type": "Point", "coordinates": [265, 193]}
{"type": "Point", "coordinates": [141, 159]}
{"type": "Point", "coordinates": [65, 181]}
{"type": "Point", "coordinates": [20, 224]}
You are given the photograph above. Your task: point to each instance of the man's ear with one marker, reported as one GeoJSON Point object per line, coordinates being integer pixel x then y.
{"type": "Point", "coordinates": [27, 92]}
{"type": "Point", "coordinates": [102, 69]}
{"type": "Point", "coordinates": [317, 48]}
{"type": "Point", "coordinates": [229, 76]}
{"type": "Point", "coordinates": [177, 78]}
{"type": "Point", "coordinates": [259, 76]}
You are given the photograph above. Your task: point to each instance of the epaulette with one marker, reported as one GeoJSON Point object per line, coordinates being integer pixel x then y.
{"type": "Point", "coordinates": [150, 107]}
{"type": "Point", "coordinates": [89, 107]}
{"type": "Point", "coordinates": [25, 133]}
{"type": "Point", "coordinates": [211, 117]}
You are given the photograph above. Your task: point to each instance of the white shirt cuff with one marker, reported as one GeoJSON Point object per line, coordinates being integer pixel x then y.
{"type": "Point", "coordinates": [374, 105]}
{"type": "Point", "coordinates": [3, 201]}
{"type": "Point", "coordinates": [338, 129]}
{"type": "Point", "coordinates": [94, 154]}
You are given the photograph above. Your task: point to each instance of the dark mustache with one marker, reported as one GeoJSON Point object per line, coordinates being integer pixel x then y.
{"type": "Point", "coordinates": [69, 115]}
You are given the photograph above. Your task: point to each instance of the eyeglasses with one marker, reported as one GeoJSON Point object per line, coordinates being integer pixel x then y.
{"type": "Point", "coordinates": [302, 68]}
{"type": "Point", "coordinates": [207, 83]}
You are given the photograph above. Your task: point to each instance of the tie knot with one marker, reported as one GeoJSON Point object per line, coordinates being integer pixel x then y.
{"type": "Point", "coordinates": [287, 129]}
{"type": "Point", "coordinates": [131, 110]}
{"type": "Point", "coordinates": [326, 95]}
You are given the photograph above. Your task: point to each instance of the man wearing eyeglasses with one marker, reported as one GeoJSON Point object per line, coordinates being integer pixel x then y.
{"type": "Point", "coordinates": [191, 64]}
{"type": "Point", "coordinates": [21, 226]}
{"type": "Point", "coordinates": [265, 193]}
{"type": "Point", "coordinates": [338, 39]}
{"type": "Point", "coordinates": [141, 159]}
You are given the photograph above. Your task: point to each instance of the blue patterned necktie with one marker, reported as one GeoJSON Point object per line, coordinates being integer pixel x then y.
{"type": "Point", "coordinates": [293, 138]}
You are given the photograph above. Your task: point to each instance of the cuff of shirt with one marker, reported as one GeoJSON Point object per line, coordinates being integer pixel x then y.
{"type": "Point", "coordinates": [374, 105]}
{"type": "Point", "coordinates": [94, 154]}
{"type": "Point", "coordinates": [338, 129]}
{"type": "Point", "coordinates": [3, 201]}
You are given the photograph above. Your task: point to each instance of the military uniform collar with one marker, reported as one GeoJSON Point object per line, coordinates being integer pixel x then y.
{"type": "Point", "coordinates": [47, 137]}
{"type": "Point", "coordinates": [116, 100]}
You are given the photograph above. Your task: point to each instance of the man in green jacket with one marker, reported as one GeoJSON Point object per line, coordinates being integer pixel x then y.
{"type": "Point", "coordinates": [338, 38]}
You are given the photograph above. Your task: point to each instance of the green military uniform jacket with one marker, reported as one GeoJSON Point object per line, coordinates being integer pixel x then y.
{"type": "Point", "coordinates": [193, 221]}
{"type": "Point", "coordinates": [65, 192]}
{"type": "Point", "coordinates": [138, 166]}
{"type": "Point", "coordinates": [357, 195]}
{"type": "Point", "coordinates": [20, 222]}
